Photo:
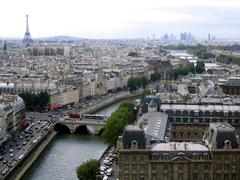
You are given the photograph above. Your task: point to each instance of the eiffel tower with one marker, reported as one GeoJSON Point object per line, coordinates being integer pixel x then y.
{"type": "Point", "coordinates": [27, 40]}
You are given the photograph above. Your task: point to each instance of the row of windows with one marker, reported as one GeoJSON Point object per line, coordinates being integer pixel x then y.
{"type": "Point", "coordinates": [202, 113]}
{"type": "Point", "coordinates": [167, 156]}
{"type": "Point", "coordinates": [134, 167]}
{"type": "Point", "coordinates": [201, 120]}
{"type": "Point", "coordinates": [226, 167]}
{"type": "Point", "coordinates": [22, 90]}
{"type": "Point", "coordinates": [181, 176]}
{"type": "Point", "coordinates": [132, 158]}
{"type": "Point", "coordinates": [187, 134]}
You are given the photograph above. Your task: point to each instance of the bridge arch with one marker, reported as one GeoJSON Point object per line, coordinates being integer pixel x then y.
{"type": "Point", "coordinates": [62, 128]}
{"type": "Point", "coordinates": [100, 131]}
{"type": "Point", "coordinates": [82, 129]}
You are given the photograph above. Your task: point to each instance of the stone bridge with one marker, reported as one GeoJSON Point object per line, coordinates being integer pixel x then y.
{"type": "Point", "coordinates": [93, 126]}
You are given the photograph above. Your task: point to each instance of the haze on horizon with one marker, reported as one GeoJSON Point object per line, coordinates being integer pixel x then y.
{"type": "Point", "coordinates": [120, 18]}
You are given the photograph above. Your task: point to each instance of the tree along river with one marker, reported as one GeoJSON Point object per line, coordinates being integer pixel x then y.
{"type": "Point", "coordinates": [67, 151]}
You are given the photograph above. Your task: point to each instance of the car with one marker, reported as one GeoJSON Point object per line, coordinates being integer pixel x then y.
{"type": "Point", "coordinates": [11, 155]}
{"type": "Point", "coordinates": [11, 145]}
{"type": "Point", "coordinates": [108, 173]}
{"type": "Point", "coordinates": [20, 137]}
{"type": "Point", "coordinates": [28, 139]}
{"type": "Point", "coordinates": [4, 171]}
{"type": "Point", "coordinates": [24, 143]}
{"type": "Point", "coordinates": [11, 150]}
{"type": "Point", "coordinates": [20, 157]}
{"type": "Point", "coordinates": [3, 152]}
{"type": "Point", "coordinates": [5, 162]}
{"type": "Point", "coordinates": [1, 158]}
{"type": "Point", "coordinates": [32, 135]}
{"type": "Point", "coordinates": [19, 147]}
{"type": "Point", "coordinates": [105, 178]}
{"type": "Point", "coordinates": [103, 168]}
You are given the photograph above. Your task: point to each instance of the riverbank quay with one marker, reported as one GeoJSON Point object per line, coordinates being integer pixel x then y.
{"type": "Point", "coordinates": [30, 157]}
{"type": "Point", "coordinates": [109, 101]}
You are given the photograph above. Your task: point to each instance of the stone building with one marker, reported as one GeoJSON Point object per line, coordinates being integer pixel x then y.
{"type": "Point", "coordinates": [12, 114]}
{"type": "Point", "coordinates": [190, 121]}
{"type": "Point", "coordinates": [231, 86]}
{"type": "Point", "coordinates": [215, 158]}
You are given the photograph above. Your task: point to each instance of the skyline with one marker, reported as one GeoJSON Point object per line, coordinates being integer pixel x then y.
{"type": "Point", "coordinates": [121, 19]}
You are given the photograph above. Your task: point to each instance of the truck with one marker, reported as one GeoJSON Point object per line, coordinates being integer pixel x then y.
{"type": "Point", "coordinates": [73, 115]}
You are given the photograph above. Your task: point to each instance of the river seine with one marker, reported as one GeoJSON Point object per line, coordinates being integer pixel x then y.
{"type": "Point", "coordinates": [66, 152]}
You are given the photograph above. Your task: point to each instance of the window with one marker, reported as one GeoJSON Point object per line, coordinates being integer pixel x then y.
{"type": "Point", "coordinates": [142, 166]}
{"type": "Point", "coordinates": [134, 158]}
{"type": "Point", "coordinates": [234, 176]}
{"type": "Point", "coordinates": [205, 167]}
{"type": "Point", "coordinates": [229, 114]}
{"type": "Point", "coordinates": [192, 113]}
{"type": "Point", "coordinates": [125, 158]}
{"type": "Point", "coordinates": [181, 134]}
{"type": "Point", "coordinates": [180, 167]}
{"type": "Point", "coordinates": [206, 176]}
{"type": "Point", "coordinates": [236, 114]}
{"type": "Point", "coordinates": [218, 167]}
{"type": "Point", "coordinates": [126, 168]}
{"type": "Point", "coordinates": [180, 176]}
{"type": "Point", "coordinates": [207, 120]}
{"type": "Point", "coordinates": [134, 167]}
{"type": "Point", "coordinates": [154, 176]}
{"type": "Point", "coordinates": [226, 158]}
{"type": "Point", "coordinates": [154, 167]}
{"type": "Point", "coordinates": [165, 177]}
{"type": "Point", "coordinates": [178, 112]}
{"type": "Point", "coordinates": [126, 177]}
{"type": "Point", "coordinates": [165, 167]}
{"type": "Point", "coordinates": [195, 176]}
{"type": "Point", "coordinates": [195, 166]}
{"type": "Point", "coordinates": [226, 177]}
{"type": "Point", "coordinates": [165, 156]}
{"type": "Point", "coordinates": [226, 167]}
{"type": "Point", "coordinates": [219, 176]}
{"type": "Point", "coordinates": [174, 134]}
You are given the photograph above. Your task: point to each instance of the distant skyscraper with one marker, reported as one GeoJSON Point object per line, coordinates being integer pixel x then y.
{"type": "Point", "coordinates": [5, 46]}
{"type": "Point", "coordinates": [27, 40]}
{"type": "Point", "coordinates": [186, 36]}
{"type": "Point", "coordinates": [209, 37]}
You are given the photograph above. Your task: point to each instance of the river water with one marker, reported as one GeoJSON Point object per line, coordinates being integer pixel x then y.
{"type": "Point", "coordinates": [66, 152]}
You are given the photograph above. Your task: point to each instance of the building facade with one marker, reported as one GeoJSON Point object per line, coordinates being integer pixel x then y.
{"type": "Point", "coordinates": [12, 114]}
{"type": "Point", "coordinates": [215, 158]}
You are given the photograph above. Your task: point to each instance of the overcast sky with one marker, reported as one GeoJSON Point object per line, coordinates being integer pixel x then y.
{"type": "Point", "coordinates": [120, 18]}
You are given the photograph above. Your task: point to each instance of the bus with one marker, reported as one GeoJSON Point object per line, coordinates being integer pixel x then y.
{"type": "Point", "coordinates": [94, 116]}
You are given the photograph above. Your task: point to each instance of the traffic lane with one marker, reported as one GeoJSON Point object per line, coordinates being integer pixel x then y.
{"type": "Point", "coordinates": [18, 152]}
